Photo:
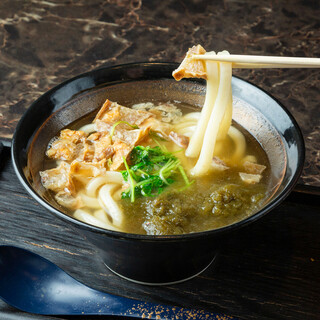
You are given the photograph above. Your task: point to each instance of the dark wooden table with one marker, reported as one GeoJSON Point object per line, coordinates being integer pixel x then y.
{"type": "Point", "coordinates": [269, 270]}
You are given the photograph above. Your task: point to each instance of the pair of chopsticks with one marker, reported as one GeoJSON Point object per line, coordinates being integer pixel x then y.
{"type": "Point", "coordinates": [248, 61]}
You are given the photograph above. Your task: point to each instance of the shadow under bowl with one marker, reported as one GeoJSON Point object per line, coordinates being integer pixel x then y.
{"type": "Point", "coordinates": [144, 258]}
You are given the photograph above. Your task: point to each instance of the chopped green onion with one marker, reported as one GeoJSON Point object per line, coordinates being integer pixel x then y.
{"type": "Point", "coordinates": [155, 137]}
{"type": "Point", "coordinates": [184, 176]}
{"type": "Point", "coordinates": [131, 180]}
{"type": "Point", "coordinates": [133, 126]}
{"type": "Point", "coordinates": [186, 186]}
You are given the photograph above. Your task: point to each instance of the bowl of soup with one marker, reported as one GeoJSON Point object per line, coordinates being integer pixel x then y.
{"type": "Point", "coordinates": [105, 152]}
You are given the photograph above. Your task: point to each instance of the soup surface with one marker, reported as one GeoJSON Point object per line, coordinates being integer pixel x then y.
{"type": "Point", "coordinates": [94, 172]}
{"type": "Point", "coordinates": [212, 202]}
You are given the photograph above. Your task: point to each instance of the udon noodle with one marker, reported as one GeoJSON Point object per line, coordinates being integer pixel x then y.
{"type": "Point", "coordinates": [120, 171]}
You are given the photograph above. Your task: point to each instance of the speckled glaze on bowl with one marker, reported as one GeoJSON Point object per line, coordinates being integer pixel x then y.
{"type": "Point", "coordinates": [142, 258]}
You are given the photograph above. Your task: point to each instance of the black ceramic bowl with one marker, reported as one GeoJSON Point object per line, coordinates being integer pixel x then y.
{"type": "Point", "coordinates": [142, 258]}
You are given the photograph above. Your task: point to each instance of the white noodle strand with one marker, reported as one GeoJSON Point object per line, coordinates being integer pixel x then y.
{"type": "Point", "coordinates": [239, 142]}
{"type": "Point", "coordinates": [88, 128]}
{"type": "Point", "coordinates": [109, 177]}
{"type": "Point", "coordinates": [192, 116]}
{"type": "Point", "coordinates": [90, 202]}
{"type": "Point", "coordinates": [103, 216]}
{"type": "Point", "coordinates": [196, 140]}
{"type": "Point", "coordinates": [86, 217]}
{"type": "Point", "coordinates": [221, 103]}
{"type": "Point", "coordinates": [109, 204]}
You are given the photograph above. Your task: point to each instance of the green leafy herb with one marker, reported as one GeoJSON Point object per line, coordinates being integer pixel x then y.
{"type": "Point", "coordinates": [151, 170]}
{"type": "Point", "coordinates": [131, 180]}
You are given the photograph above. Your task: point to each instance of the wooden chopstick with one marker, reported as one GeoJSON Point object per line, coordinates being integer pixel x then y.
{"type": "Point", "coordinates": [248, 61]}
{"type": "Point", "coordinates": [269, 66]}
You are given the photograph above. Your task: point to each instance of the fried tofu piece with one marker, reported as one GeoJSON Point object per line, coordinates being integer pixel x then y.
{"type": "Point", "coordinates": [191, 68]}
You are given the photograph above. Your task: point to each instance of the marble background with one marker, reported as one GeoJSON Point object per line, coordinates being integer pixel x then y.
{"type": "Point", "coordinates": [45, 42]}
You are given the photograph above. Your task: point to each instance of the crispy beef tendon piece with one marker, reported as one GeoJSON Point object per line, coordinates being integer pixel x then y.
{"type": "Point", "coordinates": [58, 179]}
{"type": "Point", "coordinates": [122, 150]}
{"type": "Point", "coordinates": [69, 201]}
{"type": "Point", "coordinates": [250, 178]}
{"type": "Point", "coordinates": [160, 127]}
{"type": "Point", "coordinates": [253, 168]}
{"type": "Point", "coordinates": [111, 112]}
{"type": "Point", "coordinates": [119, 129]}
{"type": "Point", "coordinates": [103, 147]}
{"type": "Point", "coordinates": [73, 135]}
{"type": "Point", "coordinates": [190, 68]}
{"type": "Point", "coordinates": [179, 139]}
{"type": "Point", "coordinates": [87, 152]}
{"type": "Point", "coordinates": [130, 137]}
{"type": "Point", "coordinates": [68, 146]}
{"type": "Point", "coordinates": [134, 116]}
{"type": "Point", "coordinates": [218, 164]}
{"type": "Point", "coordinates": [95, 136]}
{"type": "Point", "coordinates": [101, 126]}
{"type": "Point", "coordinates": [87, 169]}
{"type": "Point", "coordinates": [166, 112]}
{"type": "Point", "coordinates": [106, 107]}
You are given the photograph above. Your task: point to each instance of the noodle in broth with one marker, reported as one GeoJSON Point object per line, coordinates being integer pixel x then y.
{"type": "Point", "coordinates": [161, 168]}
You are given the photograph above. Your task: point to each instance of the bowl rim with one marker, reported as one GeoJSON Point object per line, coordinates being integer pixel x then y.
{"type": "Point", "coordinates": [141, 237]}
